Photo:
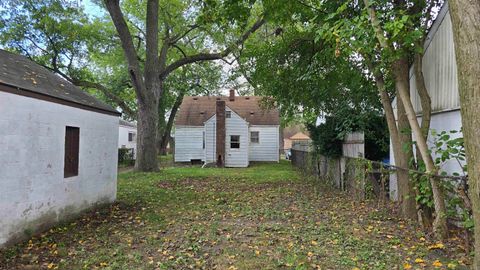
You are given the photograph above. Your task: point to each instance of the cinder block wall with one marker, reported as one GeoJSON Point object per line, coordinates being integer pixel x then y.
{"type": "Point", "coordinates": [34, 194]}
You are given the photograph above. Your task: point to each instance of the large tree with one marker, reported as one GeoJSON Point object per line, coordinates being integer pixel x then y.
{"type": "Point", "coordinates": [148, 78]}
{"type": "Point", "coordinates": [465, 16]}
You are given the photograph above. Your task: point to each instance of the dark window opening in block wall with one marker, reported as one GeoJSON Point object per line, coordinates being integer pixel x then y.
{"type": "Point", "coordinates": [72, 146]}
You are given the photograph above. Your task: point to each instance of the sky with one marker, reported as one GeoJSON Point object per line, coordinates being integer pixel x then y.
{"type": "Point", "coordinates": [92, 9]}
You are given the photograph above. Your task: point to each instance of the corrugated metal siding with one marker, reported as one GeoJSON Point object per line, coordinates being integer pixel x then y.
{"type": "Point", "coordinates": [189, 143]}
{"type": "Point", "coordinates": [267, 149]}
{"type": "Point", "coordinates": [439, 70]}
{"type": "Point", "coordinates": [236, 157]}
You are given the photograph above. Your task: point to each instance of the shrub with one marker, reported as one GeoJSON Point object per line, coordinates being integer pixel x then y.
{"type": "Point", "coordinates": [126, 156]}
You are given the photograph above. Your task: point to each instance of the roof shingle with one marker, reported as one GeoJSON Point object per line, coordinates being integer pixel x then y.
{"type": "Point", "coordinates": [22, 73]}
{"type": "Point", "coordinates": [194, 111]}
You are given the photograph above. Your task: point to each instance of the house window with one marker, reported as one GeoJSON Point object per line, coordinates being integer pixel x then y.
{"type": "Point", "coordinates": [72, 143]}
{"type": "Point", "coordinates": [254, 137]}
{"type": "Point", "coordinates": [234, 141]}
{"type": "Point", "coordinates": [131, 136]}
{"type": "Point", "coordinates": [228, 114]}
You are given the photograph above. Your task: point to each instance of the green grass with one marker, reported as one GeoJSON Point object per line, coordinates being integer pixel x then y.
{"type": "Point", "coordinates": [262, 217]}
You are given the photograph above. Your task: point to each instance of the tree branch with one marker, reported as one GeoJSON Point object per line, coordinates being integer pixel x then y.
{"type": "Point", "coordinates": [180, 49]}
{"type": "Point", "coordinates": [179, 37]}
{"type": "Point", "coordinates": [376, 25]}
{"type": "Point", "coordinates": [212, 56]}
{"type": "Point", "coordinates": [113, 7]}
{"type": "Point", "coordinates": [120, 102]}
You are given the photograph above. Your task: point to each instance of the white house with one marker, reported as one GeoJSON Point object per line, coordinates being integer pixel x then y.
{"type": "Point", "coordinates": [230, 131]}
{"type": "Point", "coordinates": [58, 149]}
{"type": "Point", "coordinates": [127, 136]}
{"type": "Point", "coordinates": [440, 73]}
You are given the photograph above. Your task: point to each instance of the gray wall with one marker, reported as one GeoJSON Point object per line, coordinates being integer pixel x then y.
{"type": "Point", "coordinates": [33, 191]}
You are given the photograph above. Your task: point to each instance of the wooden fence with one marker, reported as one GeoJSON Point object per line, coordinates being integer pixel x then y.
{"type": "Point", "coordinates": [351, 172]}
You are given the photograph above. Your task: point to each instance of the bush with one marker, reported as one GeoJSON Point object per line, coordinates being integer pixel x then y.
{"type": "Point", "coordinates": [126, 156]}
{"type": "Point", "coordinates": [325, 138]}
{"type": "Point", "coordinates": [328, 137]}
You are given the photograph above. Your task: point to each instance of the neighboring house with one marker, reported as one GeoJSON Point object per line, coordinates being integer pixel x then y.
{"type": "Point", "coordinates": [297, 137]}
{"type": "Point", "coordinates": [230, 131]}
{"type": "Point", "coordinates": [127, 136]}
{"type": "Point", "coordinates": [440, 72]}
{"type": "Point", "coordinates": [58, 149]}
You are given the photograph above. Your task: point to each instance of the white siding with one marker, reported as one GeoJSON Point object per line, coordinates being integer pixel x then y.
{"type": "Point", "coordinates": [267, 149]}
{"type": "Point", "coordinates": [123, 138]}
{"type": "Point", "coordinates": [439, 68]}
{"type": "Point", "coordinates": [236, 126]}
{"type": "Point", "coordinates": [446, 121]}
{"type": "Point", "coordinates": [210, 140]}
{"type": "Point", "coordinates": [189, 143]}
{"type": "Point", "coordinates": [33, 190]}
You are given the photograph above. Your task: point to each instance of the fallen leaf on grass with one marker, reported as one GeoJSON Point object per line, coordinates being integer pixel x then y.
{"type": "Point", "coordinates": [437, 246]}
{"type": "Point", "coordinates": [451, 266]}
{"type": "Point", "coordinates": [418, 260]}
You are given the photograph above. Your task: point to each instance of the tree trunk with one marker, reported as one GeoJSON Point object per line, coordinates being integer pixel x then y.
{"type": "Point", "coordinates": [146, 84]}
{"type": "Point", "coordinates": [161, 126]}
{"type": "Point", "coordinates": [147, 135]}
{"type": "Point", "coordinates": [400, 72]}
{"type": "Point", "coordinates": [465, 16]}
{"type": "Point", "coordinates": [405, 190]}
{"type": "Point", "coordinates": [166, 138]}
{"type": "Point", "coordinates": [405, 185]}
{"type": "Point", "coordinates": [423, 94]}
{"type": "Point", "coordinates": [424, 213]}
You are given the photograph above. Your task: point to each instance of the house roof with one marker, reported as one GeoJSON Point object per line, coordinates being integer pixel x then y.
{"type": "Point", "coordinates": [291, 130]}
{"type": "Point", "coordinates": [194, 111]}
{"type": "Point", "coordinates": [299, 136]}
{"type": "Point", "coordinates": [22, 76]}
{"type": "Point", "coordinates": [126, 123]}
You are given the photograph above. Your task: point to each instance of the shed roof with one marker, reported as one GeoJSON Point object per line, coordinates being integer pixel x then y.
{"type": "Point", "coordinates": [194, 111]}
{"type": "Point", "coordinates": [299, 136]}
{"type": "Point", "coordinates": [28, 78]}
{"type": "Point", "coordinates": [127, 123]}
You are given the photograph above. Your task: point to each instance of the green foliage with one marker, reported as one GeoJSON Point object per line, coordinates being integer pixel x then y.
{"type": "Point", "coordinates": [328, 136]}
{"type": "Point", "coordinates": [446, 149]}
{"type": "Point", "coordinates": [325, 138]}
{"type": "Point", "coordinates": [125, 156]}
{"type": "Point", "coordinates": [288, 60]}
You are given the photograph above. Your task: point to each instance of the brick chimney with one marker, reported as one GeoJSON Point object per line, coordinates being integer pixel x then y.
{"type": "Point", "coordinates": [220, 133]}
{"type": "Point", "coordinates": [232, 95]}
